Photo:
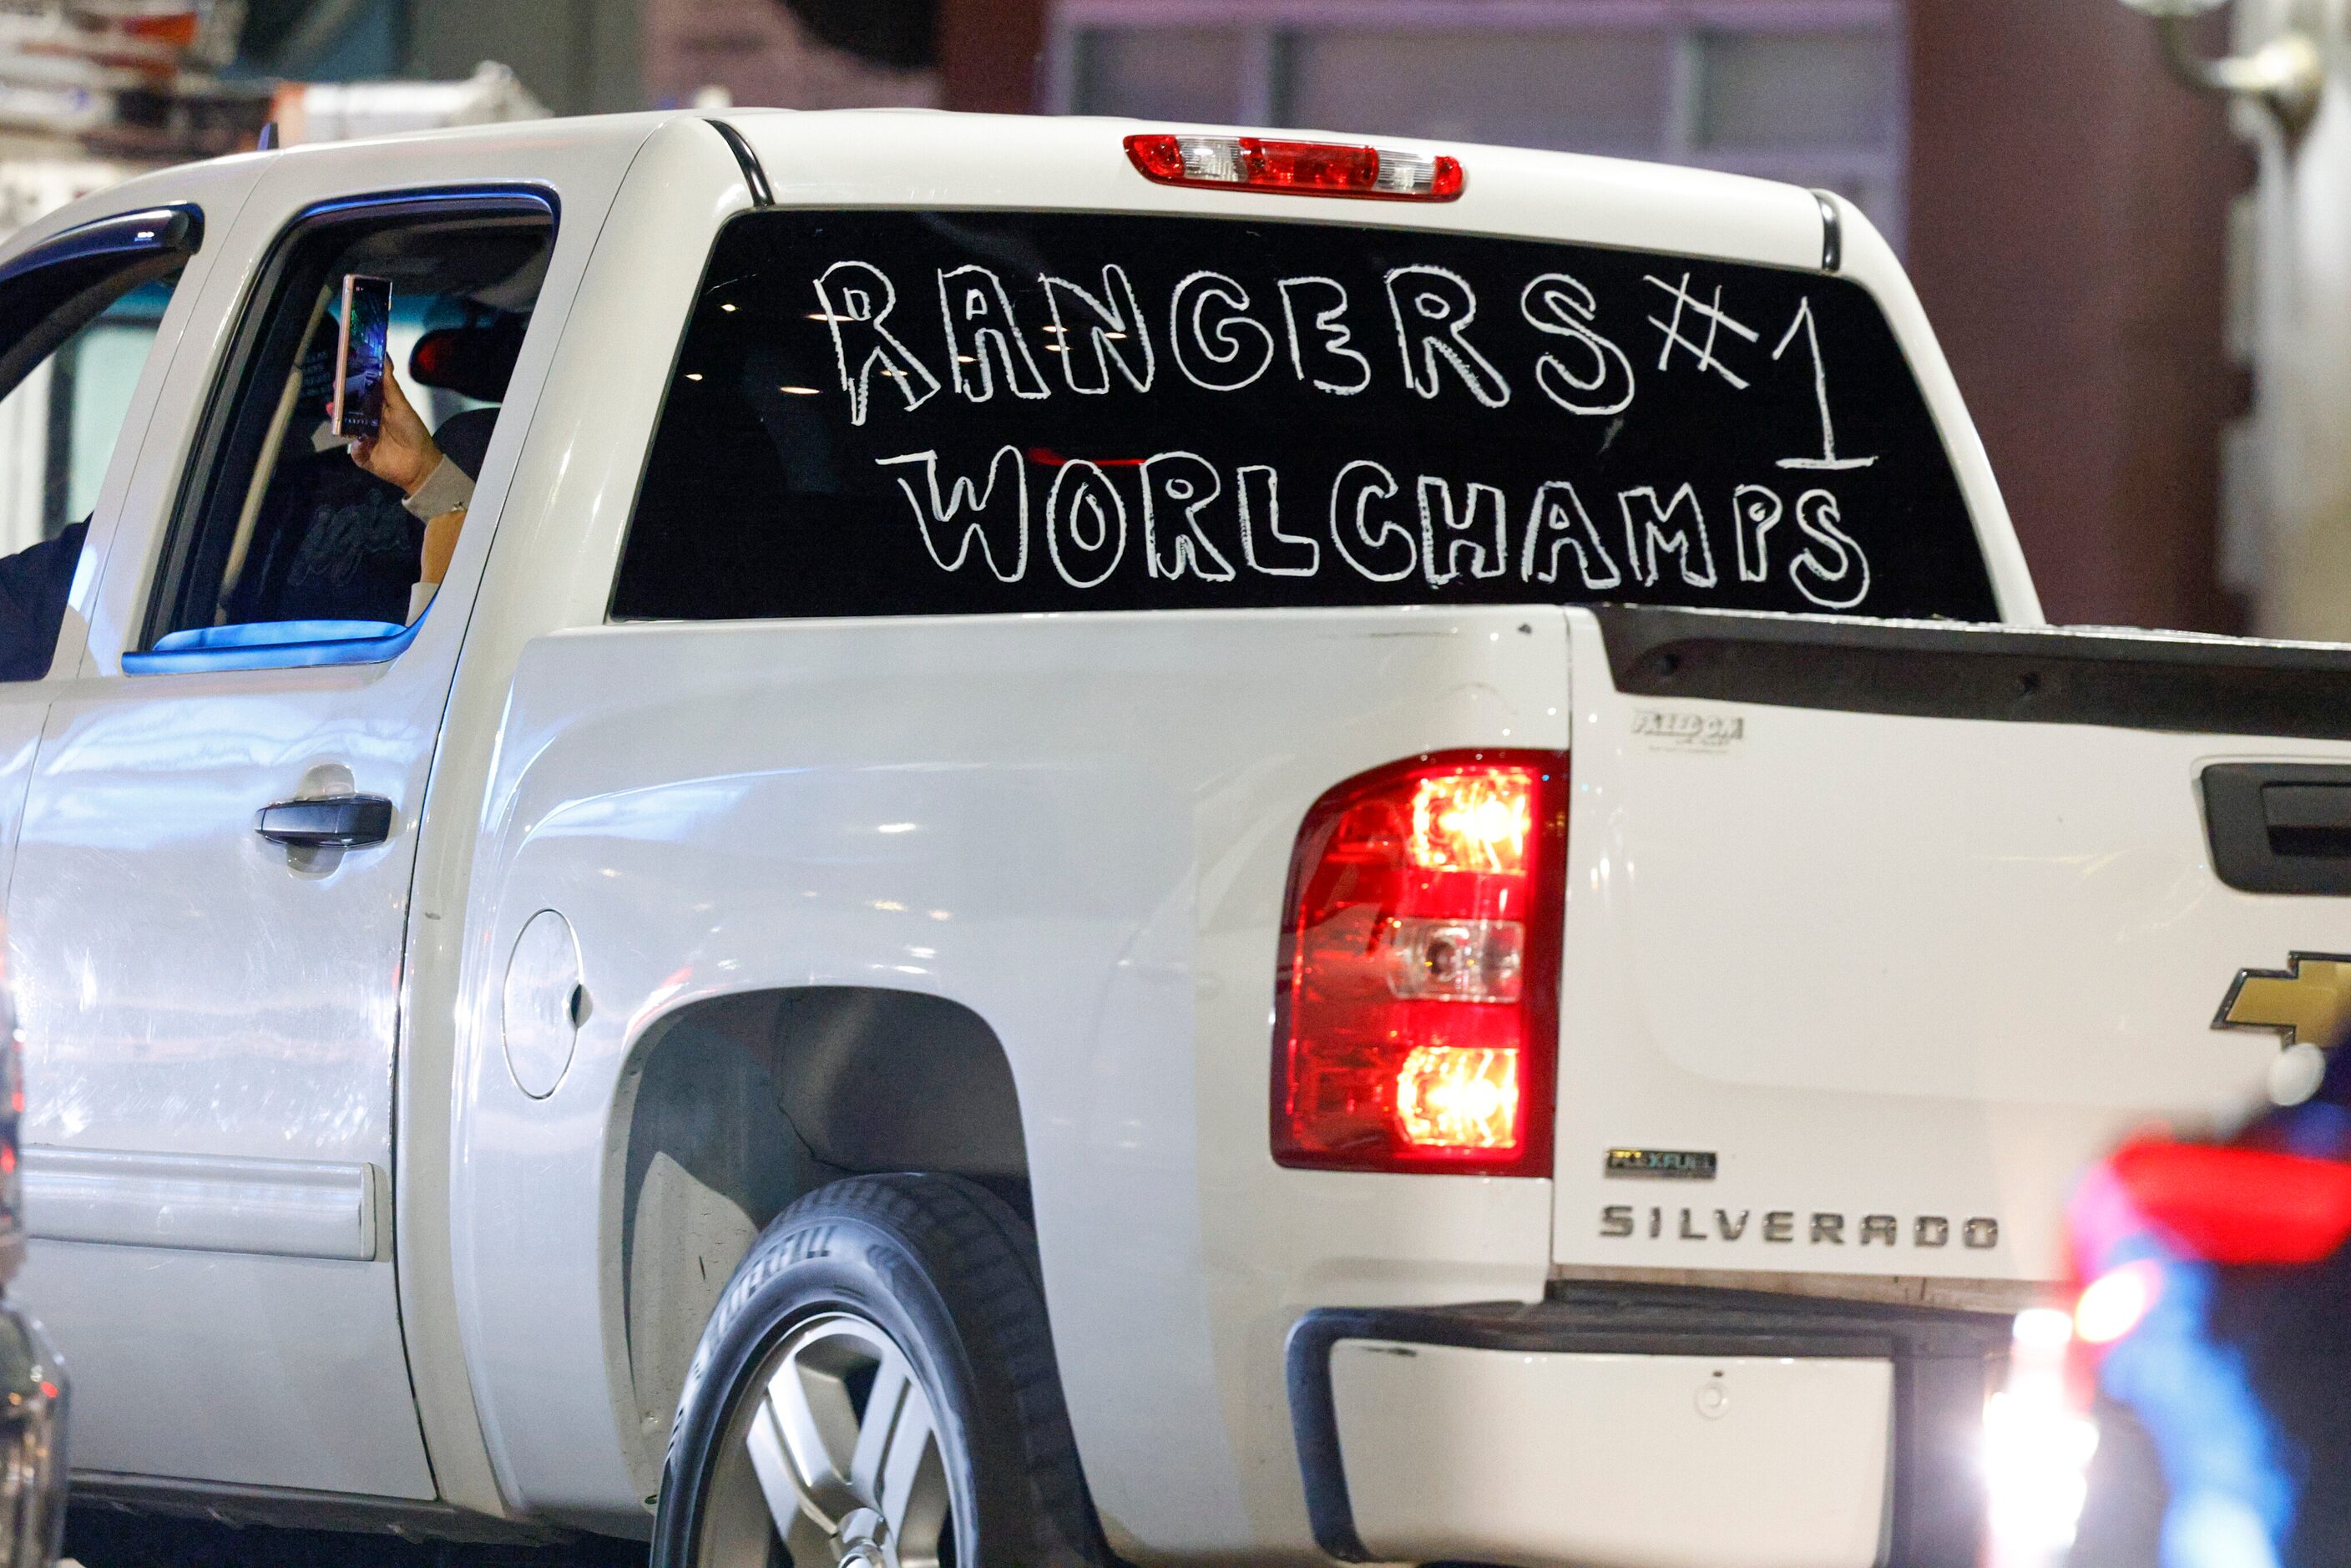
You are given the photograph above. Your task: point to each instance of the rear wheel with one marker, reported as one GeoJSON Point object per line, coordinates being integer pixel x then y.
{"type": "Point", "coordinates": [877, 1388]}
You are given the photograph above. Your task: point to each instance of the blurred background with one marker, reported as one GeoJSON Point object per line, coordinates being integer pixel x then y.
{"type": "Point", "coordinates": [2137, 284]}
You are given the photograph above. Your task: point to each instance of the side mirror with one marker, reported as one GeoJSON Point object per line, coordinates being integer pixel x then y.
{"type": "Point", "coordinates": [2287, 75]}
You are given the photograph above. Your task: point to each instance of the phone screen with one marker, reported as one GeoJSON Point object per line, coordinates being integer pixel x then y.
{"type": "Point", "coordinates": [360, 348]}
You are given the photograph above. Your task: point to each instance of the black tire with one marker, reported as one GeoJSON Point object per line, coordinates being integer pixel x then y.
{"type": "Point", "coordinates": [948, 1273]}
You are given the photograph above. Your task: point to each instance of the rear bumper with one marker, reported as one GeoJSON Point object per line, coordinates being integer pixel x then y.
{"type": "Point", "coordinates": [32, 1399]}
{"type": "Point", "coordinates": [1647, 1427]}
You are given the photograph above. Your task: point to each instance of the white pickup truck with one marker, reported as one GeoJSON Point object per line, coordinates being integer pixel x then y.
{"type": "Point", "coordinates": [1107, 843]}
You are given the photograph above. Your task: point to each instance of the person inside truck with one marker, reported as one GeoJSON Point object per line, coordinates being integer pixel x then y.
{"type": "Point", "coordinates": [34, 584]}
{"type": "Point", "coordinates": [359, 530]}
{"type": "Point", "coordinates": [435, 472]}
{"type": "Point", "coordinates": [35, 581]}
{"type": "Point", "coordinates": [349, 519]}
{"type": "Point", "coordinates": [329, 531]}
{"type": "Point", "coordinates": [313, 527]}
{"type": "Point", "coordinates": [369, 540]}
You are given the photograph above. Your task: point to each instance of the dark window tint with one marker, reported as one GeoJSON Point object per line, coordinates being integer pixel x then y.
{"type": "Point", "coordinates": [899, 413]}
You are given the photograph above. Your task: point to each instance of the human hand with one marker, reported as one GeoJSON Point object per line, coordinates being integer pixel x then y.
{"type": "Point", "coordinates": [440, 545]}
{"type": "Point", "coordinates": [403, 452]}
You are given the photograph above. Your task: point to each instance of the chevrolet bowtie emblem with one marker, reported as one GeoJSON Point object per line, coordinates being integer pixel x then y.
{"type": "Point", "coordinates": [2306, 1004]}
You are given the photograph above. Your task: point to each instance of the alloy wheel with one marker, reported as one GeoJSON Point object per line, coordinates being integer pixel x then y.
{"type": "Point", "coordinates": [831, 1459]}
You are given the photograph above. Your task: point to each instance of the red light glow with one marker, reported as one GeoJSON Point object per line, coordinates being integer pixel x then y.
{"type": "Point", "coordinates": [1417, 1024]}
{"type": "Point", "coordinates": [1449, 1097]}
{"type": "Point", "coordinates": [1295, 168]}
{"type": "Point", "coordinates": [1473, 821]}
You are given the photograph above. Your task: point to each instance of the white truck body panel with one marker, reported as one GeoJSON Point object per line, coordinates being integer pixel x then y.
{"type": "Point", "coordinates": [1134, 780]}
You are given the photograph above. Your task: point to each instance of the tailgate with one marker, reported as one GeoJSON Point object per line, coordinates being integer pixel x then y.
{"type": "Point", "coordinates": [1878, 932]}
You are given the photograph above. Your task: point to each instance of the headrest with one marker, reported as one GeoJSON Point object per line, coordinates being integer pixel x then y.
{"type": "Point", "coordinates": [475, 361]}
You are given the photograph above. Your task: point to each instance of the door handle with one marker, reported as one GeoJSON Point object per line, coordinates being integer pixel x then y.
{"type": "Point", "coordinates": [327, 823]}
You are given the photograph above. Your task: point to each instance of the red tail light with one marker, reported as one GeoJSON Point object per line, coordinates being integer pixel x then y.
{"type": "Point", "coordinates": [1415, 1027]}
{"type": "Point", "coordinates": [1296, 168]}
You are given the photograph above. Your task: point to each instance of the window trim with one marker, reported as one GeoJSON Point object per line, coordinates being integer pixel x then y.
{"type": "Point", "coordinates": [266, 656]}
{"type": "Point", "coordinates": [175, 229]}
{"type": "Point", "coordinates": [230, 386]}
{"type": "Point", "coordinates": [150, 240]}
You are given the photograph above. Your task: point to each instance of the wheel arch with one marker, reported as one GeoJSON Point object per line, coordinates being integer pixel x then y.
{"type": "Point", "coordinates": [731, 1107]}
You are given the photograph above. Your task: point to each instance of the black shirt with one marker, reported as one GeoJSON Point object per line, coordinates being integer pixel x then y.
{"type": "Point", "coordinates": [34, 584]}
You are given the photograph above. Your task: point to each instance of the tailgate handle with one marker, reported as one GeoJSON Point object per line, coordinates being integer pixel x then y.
{"type": "Point", "coordinates": [2280, 827]}
{"type": "Point", "coordinates": [2308, 818]}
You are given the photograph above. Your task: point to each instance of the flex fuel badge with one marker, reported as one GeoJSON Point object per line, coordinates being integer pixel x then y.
{"type": "Point", "coordinates": [1669, 1164]}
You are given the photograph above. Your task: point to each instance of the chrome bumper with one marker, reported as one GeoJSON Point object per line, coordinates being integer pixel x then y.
{"type": "Point", "coordinates": [33, 1396]}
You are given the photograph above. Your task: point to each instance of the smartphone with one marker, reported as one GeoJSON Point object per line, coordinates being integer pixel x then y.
{"type": "Point", "coordinates": [360, 348]}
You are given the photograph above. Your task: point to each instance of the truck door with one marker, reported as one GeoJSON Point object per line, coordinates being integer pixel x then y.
{"type": "Point", "coordinates": [80, 310]}
{"type": "Point", "coordinates": [215, 884]}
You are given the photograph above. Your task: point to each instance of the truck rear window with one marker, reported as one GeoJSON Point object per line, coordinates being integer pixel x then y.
{"type": "Point", "coordinates": [890, 413]}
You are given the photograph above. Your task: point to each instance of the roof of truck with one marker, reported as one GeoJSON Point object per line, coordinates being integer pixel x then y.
{"type": "Point", "coordinates": [930, 160]}
{"type": "Point", "coordinates": [905, 130]}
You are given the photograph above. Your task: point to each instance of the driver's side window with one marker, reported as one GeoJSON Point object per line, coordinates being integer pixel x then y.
{"type": "Point", "coordinates": [297, 533]}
